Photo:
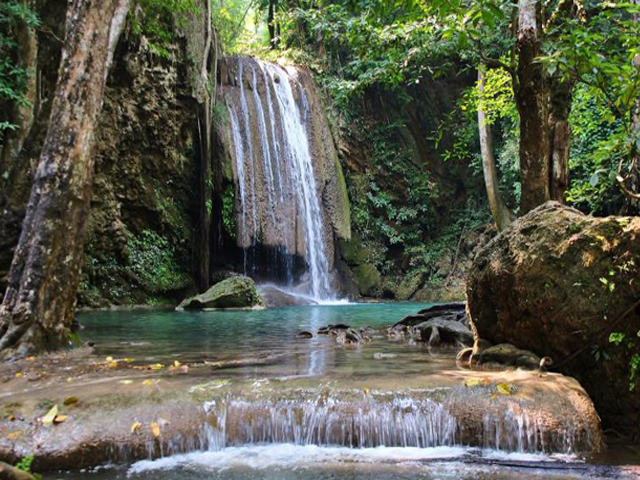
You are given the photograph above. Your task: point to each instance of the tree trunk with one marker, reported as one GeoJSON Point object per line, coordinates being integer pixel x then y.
{"type": "Point", "coordinates": [39, 306]}
{"type": "Point", "coordinates": [533, 107]}
{"type": "Point", "coordinates": [501, 213]}
{"type": "Point", "coordinates": [274, 31]}
{"type": "Point", "coordinates": [560, 137]}
{"type": "Point", "coordinates": [205, 129]}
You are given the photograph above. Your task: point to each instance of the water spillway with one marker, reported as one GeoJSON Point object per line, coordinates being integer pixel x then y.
{"type": "Point", "coordinates": [290, 197]}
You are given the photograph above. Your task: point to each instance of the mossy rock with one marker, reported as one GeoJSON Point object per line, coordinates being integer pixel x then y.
{"type": "Point", "coordinates": [354, 252]}
{"type": "Point", "coordinates": [368, 279]}
{"type": "Point", "coordinates": [234, 292]}
{"type": "Point", "coordinates": [409, 285]}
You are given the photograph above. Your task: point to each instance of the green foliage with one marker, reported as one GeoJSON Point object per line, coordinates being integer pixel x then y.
{"type": "Point", "coordinates": [372, 42]}
{"type": "Point", "coordinates": [619, 338]}
{"type": "Point", "coordinates": [13, 78]}
{"type": "Point", "coordinates": [604, 55]}
{"type": "Point", "coordinates": [230, 20]}
{"type": "Point", "coordinates": [152, 260]}
{"type": "Point", "coordinates": [155, 19]}
{"type": "Point", "coordinates": [228, 216]}
{"type": "Point", "coordinates": [25, 465]}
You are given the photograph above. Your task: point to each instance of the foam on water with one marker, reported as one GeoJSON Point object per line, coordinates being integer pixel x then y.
{"type": "Point", "coordinates": [286, 455]}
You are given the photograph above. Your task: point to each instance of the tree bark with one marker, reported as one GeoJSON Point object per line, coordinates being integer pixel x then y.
{"type": "Point", "coordinates": [39, 306]}
{"type": "Point", "coordinates": [533, 107]}
{"type": "Point", "coordinates": [560, 137]}
{"type": "Point", "coordinates": [501, 213]}
{"type": "Point", "coordinates": [205, 131]}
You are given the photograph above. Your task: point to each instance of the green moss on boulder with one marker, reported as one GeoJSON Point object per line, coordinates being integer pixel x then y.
{"type": "Point", "coordinates": [368, 279]}
{"type": "Point", "coordinates": [234, 292]}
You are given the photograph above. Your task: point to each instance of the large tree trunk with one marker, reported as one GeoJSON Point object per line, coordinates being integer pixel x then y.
{"type": "Point", "coordinates": [499, 210]}
{"type": "Point", "coordinates": [39, 305]}
{"type": "Point", "coordinates": [533, 107]}
{"type": "Point", "coordinates": [560, 135]}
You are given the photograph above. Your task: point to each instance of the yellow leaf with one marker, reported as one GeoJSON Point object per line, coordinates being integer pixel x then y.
{"type": "Point", "coordinates": [135, 427]}
{"type": "Point", "coordinates": [19, 375]}
{"type": "Point", "coordinates": [59, 419]}
{"type": "Point", "coordinates": [69, 379]}
{"type": "Point", "coordinates": [504, 388]}
{"type": "Point", "coordinates": [493, 396]}
{"type": "Point", "coordinates": [157, 366]}
{"type": "Point", "coordinates": [71, 401]}
{"type": "Point", "coordinates": [109, 359]}
{"type": "Point", "coordinates": [176, 364]}
{"type": "Point", "coordinates": [155, 429]}
{"type": "Point", "coordinates": [12, 417]}
{"type": "Point", "coordinates": [15, 435]}
{"type": "Point", "coordinates": [366, 391]}
{"type": "Point", "coordinates": [48, 418]}
{"type": "Point", "coordinates": [472, 382]}
{"type": "Point", "coordinates": [126, 382]}
{"type": "Point", "coordinates": [149, 382]}
{"type": "Point", "coordinates": [128, 360]}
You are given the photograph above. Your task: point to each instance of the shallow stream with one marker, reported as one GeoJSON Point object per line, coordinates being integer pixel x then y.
{"type": "Point", "coordinates": [281, 406]}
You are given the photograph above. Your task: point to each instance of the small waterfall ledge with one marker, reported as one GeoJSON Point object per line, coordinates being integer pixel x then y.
{"type": "Point", "coordinates": [550, 417]}
{"type": "Point", "coordinates": [290, 194]}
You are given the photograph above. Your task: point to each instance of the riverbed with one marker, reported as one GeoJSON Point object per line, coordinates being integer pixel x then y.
{"type": "Point", "coordinates": [263, 401]}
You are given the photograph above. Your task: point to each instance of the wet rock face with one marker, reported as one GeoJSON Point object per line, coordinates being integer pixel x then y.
{"type": "Point", "coordinates": [234, 292]}
{"type": "Point", "coordinates": [558, 283]}
{"type": "Point", "coordinates": [272, 214]}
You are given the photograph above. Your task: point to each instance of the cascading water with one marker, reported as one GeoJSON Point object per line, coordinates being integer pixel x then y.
{"type": "Point", "coordinates": [277, 189]}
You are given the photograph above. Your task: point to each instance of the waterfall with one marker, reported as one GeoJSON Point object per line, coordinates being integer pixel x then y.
{"type": "Point", "coordinates": [278, 195]}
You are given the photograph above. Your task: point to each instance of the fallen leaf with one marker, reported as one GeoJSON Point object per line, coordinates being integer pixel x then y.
{"type": "Point", "coordinates": [19, 375]}
{"type": "Point", "coordinates": [15, 435]}
{"type": "Point", "coordinates": [69, 379]}
{"type": "Point", "coordinates": [31, 359]}
{"type": "Point", "coordinates": [126, 382]}
{"type": "Point", "coordinates": [48, 418]}
{"type": "Point", "coordinates": [493, 396]}
{"type": "Point", "coordinates": [155, 429]}
{"type": "Point", "coordinates": [135, 427]}
{"type": "Point", "coordinates": [109, 359]}
{"type": "Point", "coordinates": [150, 382]}
{"type": "Point", "coordinates": [12, 417]}
{"type": "Point", "coordinates": [156, 366]}
{"type": "Point", "coordinates": [59, 419]}
{"type": "Point", "coordinates": [504, 388]}
{"type": "Point", "coordinates": [71, 401]}
{"type": "Point", "coordinates": [128, 360]}
{"type": "Point", "coordinates": [472, 382]}
{"type": "Point", "coordinates": [176, 364]}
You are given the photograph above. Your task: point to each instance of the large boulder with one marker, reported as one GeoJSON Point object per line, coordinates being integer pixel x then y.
{"type": "Point", "coordinates": [234, 292]}
{"type": "Point", "coordinates": [560, 283]}
{"type": "Point", "coordinates": [368, 279]}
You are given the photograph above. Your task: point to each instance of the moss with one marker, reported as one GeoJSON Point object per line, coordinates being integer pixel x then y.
{"type": "Point", "coordinates": [343, 226]}
{"type": "Point", "coordinates": [368, 279]}
{"type": "Point", "coordinates": [152, 261]}
{"type": "Point", "coordinates": [234, 292]}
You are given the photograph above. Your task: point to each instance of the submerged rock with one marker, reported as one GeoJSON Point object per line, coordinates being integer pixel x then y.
{"type": "Point", "coordinates": [234, 292]}
{"type": "Point", "coordinates": [558, 283]}
{"type": "Point", "coordinates": [508, 355]}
